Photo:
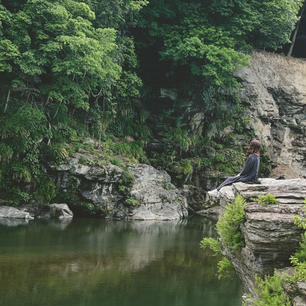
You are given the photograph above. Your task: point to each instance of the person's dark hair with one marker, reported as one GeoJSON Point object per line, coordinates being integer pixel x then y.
{"type": "Point", "coordinates": [254, 146]}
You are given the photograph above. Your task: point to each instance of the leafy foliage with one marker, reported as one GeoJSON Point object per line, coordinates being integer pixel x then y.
{"type": "Point", "coordinates": [126, 182]}
{"type": "Point", "coordinates": [228, 225]}
{"type": "Point", "coordinates": [299, 257]}
{"type": "Point", "coordinates": [225, 269]}
{"type": "Point", "coordinates": [71, 69]}
{"type": "Point", "coordinates": [267, 199]}
{"type": "Point", "coordinates": [67, 72]}
{"type": "Point", "coordinates": [270, 292]}
{"type": "Point", "coordinates": [211, 243]}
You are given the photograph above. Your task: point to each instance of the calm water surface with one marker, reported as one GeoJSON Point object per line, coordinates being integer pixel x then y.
{"type": "Point", "coordinates": [96, 262]}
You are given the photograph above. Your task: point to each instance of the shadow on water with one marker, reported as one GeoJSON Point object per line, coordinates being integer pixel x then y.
{"type": "Point", "coordinates": [97, 262]}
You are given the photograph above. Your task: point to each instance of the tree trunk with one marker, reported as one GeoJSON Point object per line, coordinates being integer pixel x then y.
{"type": "Point", "coordinates": [295, 32]}
{"type": "Point", "coordinates": [7, 100]}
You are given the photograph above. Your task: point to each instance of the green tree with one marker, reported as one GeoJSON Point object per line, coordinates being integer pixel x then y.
{"type": "Point", "coordinates": [60, 67]}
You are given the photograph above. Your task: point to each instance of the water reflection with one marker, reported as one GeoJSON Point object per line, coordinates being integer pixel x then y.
{"type": "Point", "coordinates": [13, 221]}
{"type": "Point", "coordinates": [94, 262]}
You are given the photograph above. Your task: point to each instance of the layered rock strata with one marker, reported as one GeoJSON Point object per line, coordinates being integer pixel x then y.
{"type": "Point", "coordinates": [270, 234]}
{"type": "Point", "coordinates": [274, 92]}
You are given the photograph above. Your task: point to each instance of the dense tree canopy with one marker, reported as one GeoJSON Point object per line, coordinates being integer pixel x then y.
{"type": "Point", "coordinates": [211, 37]}
{"type": "Point", "coordinates": [70, 68]}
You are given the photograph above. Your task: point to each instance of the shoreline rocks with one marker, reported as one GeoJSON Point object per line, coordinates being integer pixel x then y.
{"type": "Point", "coordinates": [130, 191]}
{"type": "Point", "coordinates": [12, 216]}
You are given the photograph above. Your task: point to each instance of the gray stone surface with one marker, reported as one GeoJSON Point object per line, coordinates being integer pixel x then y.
{"type": "Point", "coordinates": [274, 92]}
{"type": "Point", "coordinates": [299, 301]}
{"type": "Point", "coordinates": [98, 182]}
{"type": "Point", "coordinates": [271, 236]}
{"type": "Point", "coordinates": [160, 200]}
{"type": "Point", "coordinates": [60, 211]}
{"type": "Point", "coordinates": [8, 212]}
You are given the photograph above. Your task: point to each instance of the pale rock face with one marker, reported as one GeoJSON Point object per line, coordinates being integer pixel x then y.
{"type": "Point", "coordinates": [274, 91]}
{"type": "Point", "coordinates": [154, 189]}
{"type": "Point", "coordinates": [60, 211]}
{"type": "Point", "coordinates": [271, 236]}
{"type": "Point", "coordinates": [158, 199]}
{"type": "Point", "coordinates": [8, 213]}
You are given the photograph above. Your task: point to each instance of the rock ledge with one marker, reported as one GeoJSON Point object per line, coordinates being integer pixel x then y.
{"type": "Point", "coordinates": [271, 236]}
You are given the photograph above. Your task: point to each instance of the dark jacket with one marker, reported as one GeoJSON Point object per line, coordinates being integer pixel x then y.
{"type": "Point", "coordinates": [248, 175]}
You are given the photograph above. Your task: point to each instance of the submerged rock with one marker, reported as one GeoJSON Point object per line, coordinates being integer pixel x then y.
{"type": "Point", "coordinates": [129, 191]}
{"type": "Point", "coordinates": [13, 222]}
{"type": "Point", "coordinates": [270, 234]}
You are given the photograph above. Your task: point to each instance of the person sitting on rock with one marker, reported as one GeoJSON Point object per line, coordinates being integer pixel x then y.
{"type": "Point", "coordinates": [250, 172]}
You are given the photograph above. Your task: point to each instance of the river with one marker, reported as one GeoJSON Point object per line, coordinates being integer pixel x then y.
{"type": "Point", "coordinates": [91, 262]}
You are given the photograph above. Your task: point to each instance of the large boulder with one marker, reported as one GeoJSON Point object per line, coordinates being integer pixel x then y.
{"type": "Point", "coordinates": [270, 234]}
{"type": "Point", "coordinates": [129, 191]}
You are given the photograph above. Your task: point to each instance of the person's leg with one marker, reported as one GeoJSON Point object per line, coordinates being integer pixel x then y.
{"type": "Point", "coordinates": [230, 180]}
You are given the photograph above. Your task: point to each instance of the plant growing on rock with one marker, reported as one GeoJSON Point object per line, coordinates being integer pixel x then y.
{"type": "Point", "coordinates": [211, 243]}
{"type": "Point", "coordinates": [225, 268]}
{"type": "Point", "coordinates": [299, 257]}
{"type": "Point", "coordinates": [270, 292]}
{"type": "Point", "coordinates": [267, 199]}
{"type": "Point", "coordinates": [228, 226]}
{"type": "Point", "coordinates": [132, 202]}
{"type": "Point", "coordinates": [126, 182]}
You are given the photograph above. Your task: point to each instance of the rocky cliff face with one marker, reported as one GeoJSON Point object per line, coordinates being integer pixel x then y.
{"type": "Point", "coordinates": [270, 234]}
{"type": "Point", "coordinates": [274, 92]}
{"type": "Point", "coordinates": [129, 191]}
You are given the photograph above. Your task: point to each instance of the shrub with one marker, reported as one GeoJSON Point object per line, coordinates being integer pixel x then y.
{"type": "Point", "coordinates": [46, 189]}
{"type": "Point", "coordinates": [115, 161]}
{"type": "Point", "coordinates": [267, 199]}
{"type": "Point", "coordinates": [225, 269]}
{"type": "Point", "coordinates": [299, 257]}
{"type": "Point", "coordinates": [132, 202]}
{"type": "Point", "coordinates": [212, 244]}
{"type": "Point", "coordinates": [126, 182]}
{"type": "Point", "coordinates": [270, 292]}
{"type": "Point", "coordinates": [228, 226]}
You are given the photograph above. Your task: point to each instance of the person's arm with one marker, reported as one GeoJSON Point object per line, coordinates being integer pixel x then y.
{"type": "Point", "coordinates": [248, 166]}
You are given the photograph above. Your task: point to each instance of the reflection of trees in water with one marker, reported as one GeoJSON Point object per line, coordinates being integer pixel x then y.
{"type": "Point", "coordinates": [88, 253]}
